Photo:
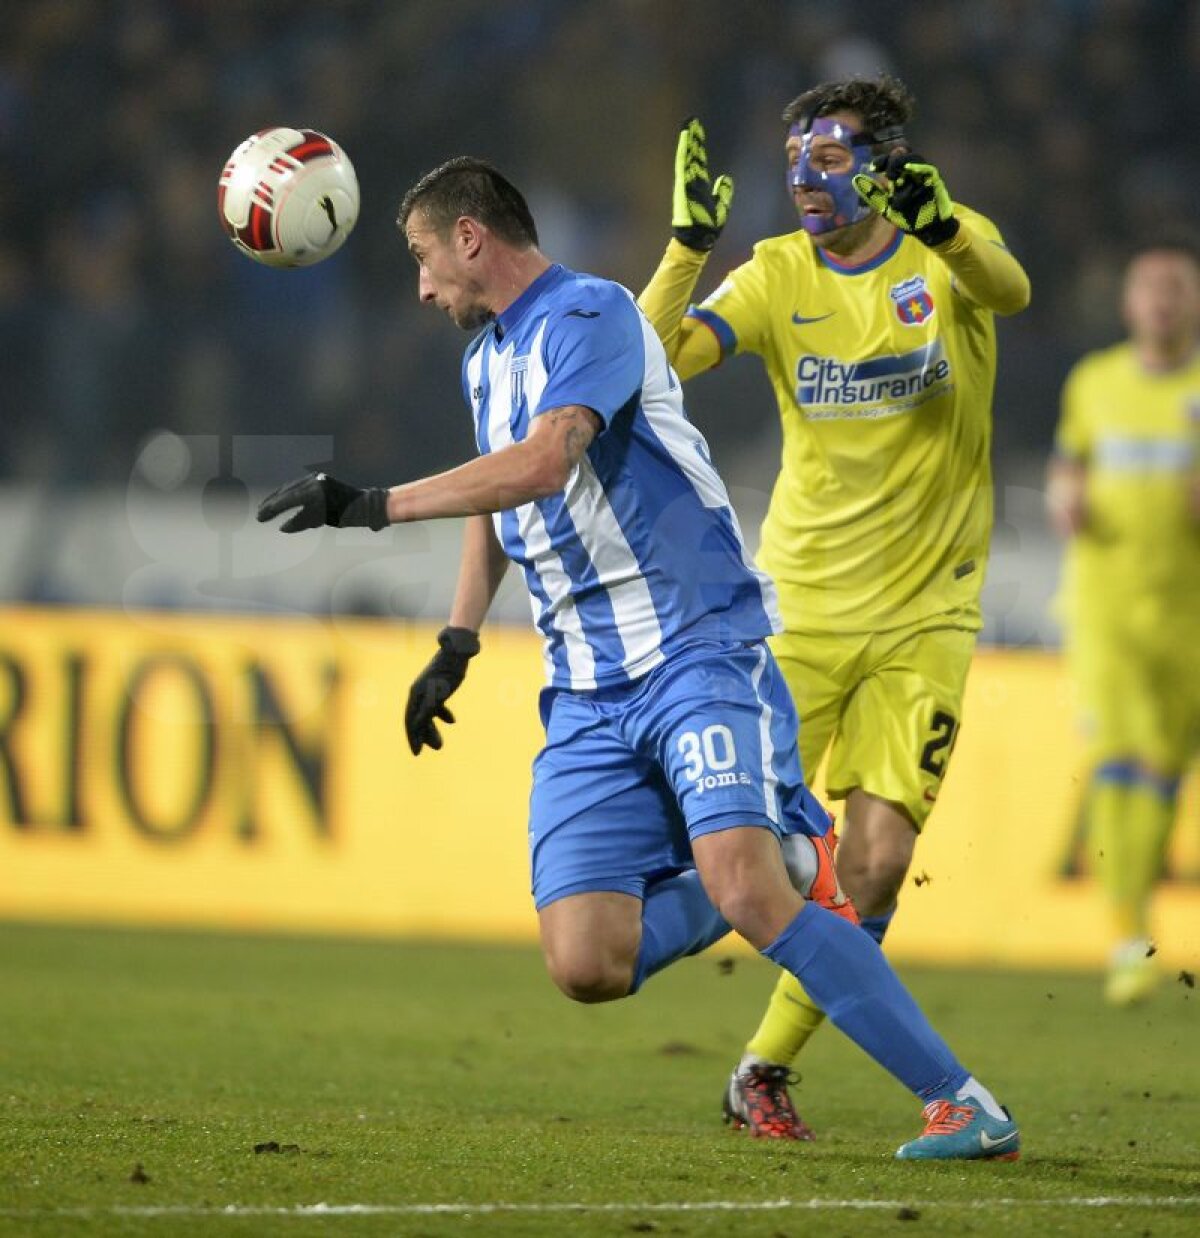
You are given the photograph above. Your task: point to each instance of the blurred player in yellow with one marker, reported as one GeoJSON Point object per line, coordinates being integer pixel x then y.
{"type": "Point", "coordinates": [875, 323]}
{"type": "Point", "coordinates": [1124, 489]}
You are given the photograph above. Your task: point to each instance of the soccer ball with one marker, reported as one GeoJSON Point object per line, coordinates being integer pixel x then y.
{"type": "Point", "coordinates": [288, 197]}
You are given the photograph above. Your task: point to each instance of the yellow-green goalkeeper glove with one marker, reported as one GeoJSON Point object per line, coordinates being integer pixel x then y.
{"type": "Point", "coordinates": [701, 205]}
{"type": "Point", "coordinates": [915, 198]}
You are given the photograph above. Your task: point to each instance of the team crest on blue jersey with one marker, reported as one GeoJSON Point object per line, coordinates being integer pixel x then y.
{"type": "Point", "coordinates": [914, 302]}
{"type": "Point", "coordinates": [517, 378]}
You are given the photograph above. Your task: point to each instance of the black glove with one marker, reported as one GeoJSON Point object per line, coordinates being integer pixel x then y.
{"type": "Point", "coordinates": [700, 205]}
{"type": "Point", "coordinates": [325, 500]}
{"type": "Point", "coordinates": [916, 200]}
{"type": "Point", "coordinates": [435, 685]}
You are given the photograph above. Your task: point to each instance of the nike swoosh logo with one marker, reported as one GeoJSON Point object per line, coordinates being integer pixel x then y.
{"type": "Point", "coordinates": [987, 1143]}
{"type": "Point", "coordinates": [580, 313]}
{"type": "Point", "coordinates": [800, 320]}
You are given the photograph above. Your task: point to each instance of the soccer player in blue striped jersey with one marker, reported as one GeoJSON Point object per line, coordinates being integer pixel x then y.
{"type": "Point", "coordinates": [668, 804]}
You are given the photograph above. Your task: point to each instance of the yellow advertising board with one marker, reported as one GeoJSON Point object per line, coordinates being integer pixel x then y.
{"type": "Point", "coordinates": [1000, 873]}
{"type": "Point", "coordinates": [253, 774]}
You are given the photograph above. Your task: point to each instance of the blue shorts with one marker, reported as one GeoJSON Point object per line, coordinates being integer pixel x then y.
{"type": "Point", "coordinates": [630, 775]}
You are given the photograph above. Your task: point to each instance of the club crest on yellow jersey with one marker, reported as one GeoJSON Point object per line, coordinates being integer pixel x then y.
{"type": "Point", "coordinates": [913, 301]}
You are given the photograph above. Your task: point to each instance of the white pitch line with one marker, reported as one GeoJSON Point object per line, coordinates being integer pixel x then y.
{"type": "Point", "coordinates": [713, 1205]}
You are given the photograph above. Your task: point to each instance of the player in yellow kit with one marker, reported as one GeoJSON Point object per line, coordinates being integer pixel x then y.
{"type": "Point", "coordinates": [1124, 488]}
{"type": "Point", "coordinates": [875, 323]}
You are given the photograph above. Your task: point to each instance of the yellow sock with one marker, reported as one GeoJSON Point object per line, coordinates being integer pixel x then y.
{"type": "Point", "coordinates": [1151, 814]}
{"type": "Point", "coordinates": [1129, 818]}
{"type": "Point", "coordinates": [1106, 818]}
{"type": "Point", "coordinates": [790, 1019]}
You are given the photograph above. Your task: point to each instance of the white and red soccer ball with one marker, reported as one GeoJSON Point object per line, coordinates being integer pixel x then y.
{"type": "Point", "coordinates": [288, 197]}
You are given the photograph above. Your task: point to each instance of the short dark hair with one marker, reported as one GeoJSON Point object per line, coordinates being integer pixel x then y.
{"type": "Point", "coordinates": [883, 102]}
{"type": "Point", "coordinates": [467, 186]}
{"type": "Point", "coordinates": [1176, 243]}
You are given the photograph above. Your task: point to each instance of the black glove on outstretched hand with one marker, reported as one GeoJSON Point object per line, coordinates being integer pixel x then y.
{"type": "Point", "coordinates": [322, 499]}
{"type": "Point", "coordinates": [915, 198]}
{"type": "Point", "coordinates": [434, 686]}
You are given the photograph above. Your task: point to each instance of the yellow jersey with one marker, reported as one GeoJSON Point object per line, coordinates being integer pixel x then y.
{"type": "Point", "coordinates": [883, 373]}
{"type": "Point", "coordinates": [1137, 560]}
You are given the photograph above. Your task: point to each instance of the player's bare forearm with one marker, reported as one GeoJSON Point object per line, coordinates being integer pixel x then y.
{"type": "Point", "coordinates": [1066, 495]}
{"type": "Point", "coordinates": [665, 300]}
{"type": "Point", "coordinates": [521, 473]}
{"type": "Point", "coordinates": [491, 483]}
{"type": "Point", "coordinates": [985, 271]}
{"type": "Point", "coordinates": [480, 571]}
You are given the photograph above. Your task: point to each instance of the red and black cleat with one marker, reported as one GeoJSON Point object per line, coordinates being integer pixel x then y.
{"type": "Point", "coordinates": [757, 1100]}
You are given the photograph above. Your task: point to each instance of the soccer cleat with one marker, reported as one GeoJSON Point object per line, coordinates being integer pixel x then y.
{"type": "Point", "coordinates": [963, 1132]}
{"type": "Point", "coordinates": [826, 889]}
{"type": "Point", "coordinates": [757, 1099]}
{"type": "Point", "coordinates": [1132, 975]}
{"type": "Point", "coordinates": [810, 865]}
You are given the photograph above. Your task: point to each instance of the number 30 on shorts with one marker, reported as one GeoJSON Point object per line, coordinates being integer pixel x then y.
{"type": "Point", "coordinates": [943, 731]}
{"type": "Point", "coordinates": [713, 750]}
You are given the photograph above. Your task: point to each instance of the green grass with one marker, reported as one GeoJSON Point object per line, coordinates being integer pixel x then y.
{"type": "Point", "coordinates": [400, 1074]}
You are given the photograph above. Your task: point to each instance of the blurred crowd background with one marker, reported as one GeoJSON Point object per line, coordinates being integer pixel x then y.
{"type": "Point", "coordinates": [124, 311]}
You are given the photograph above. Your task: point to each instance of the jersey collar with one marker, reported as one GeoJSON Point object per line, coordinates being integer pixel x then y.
{"type": "Point", "coordinates": [861, 268]}
{"type": "Point", "coordinates": [508, 318]}
{"type": "Point", "coordinates": [1163, 371]}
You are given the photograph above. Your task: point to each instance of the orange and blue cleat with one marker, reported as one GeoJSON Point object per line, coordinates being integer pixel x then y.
{"type": "Point", "coordinates": [963, 1132]}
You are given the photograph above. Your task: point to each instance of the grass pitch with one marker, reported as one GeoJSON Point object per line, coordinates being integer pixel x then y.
{"type": "Point", "coordinates": [172, 1083]}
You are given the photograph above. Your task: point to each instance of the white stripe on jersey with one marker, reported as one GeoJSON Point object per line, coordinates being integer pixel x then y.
{"type": "Point", "coordinates": [536, 376]}
{"type": "Point", "coordinates": [662, 403]}
{"type": "Point", "coordinates": [617, 569]}
{"type": "Point", "coordinates": [555, 580]}
{"type": "Point", "coordinates": [770, 779]}
{"type": "Point", "coordinates": [581, 662]}
{"type": "Point", "coordinates": [499, 408]}
{"type": "Point", "coordinates": [474, 371]}
{"type": "Point", "coordinates": [671, 427]}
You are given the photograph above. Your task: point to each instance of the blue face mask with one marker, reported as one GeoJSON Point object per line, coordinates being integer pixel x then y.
{"type": "Point", "coordinates": [848, 207]}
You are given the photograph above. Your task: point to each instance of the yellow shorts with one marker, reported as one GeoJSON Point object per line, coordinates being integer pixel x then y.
{"type": "Point", "coordinates": [1140, 697]}
{"type": "Point", "coordinates": [886, 705]}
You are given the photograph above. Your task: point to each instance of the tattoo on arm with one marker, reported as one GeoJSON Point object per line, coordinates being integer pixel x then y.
{"type": "Point", "coordinates": [574, 445]}
{"type": "Point", "coordinates": [578, 433]}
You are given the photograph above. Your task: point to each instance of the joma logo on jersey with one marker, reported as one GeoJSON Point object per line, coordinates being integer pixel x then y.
{"type": "Point", "coordinates": [914, 303]}
{"type": "Point", "coordinates": [710, 781]}
{"type": "Point", "coordinates": [877, 387]}
{"type": "Point", "coordinates": [517, 380]}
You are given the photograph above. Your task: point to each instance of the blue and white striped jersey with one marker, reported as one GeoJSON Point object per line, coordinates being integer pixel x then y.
{"type": "Point", "coordinates": [640, 554]}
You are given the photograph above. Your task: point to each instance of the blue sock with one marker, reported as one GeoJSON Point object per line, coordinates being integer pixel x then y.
{"type": "Point", "coordinates": [876, 926]}
{"type": "Point", "coordinates": [846, 974]}
{"type": "Point", "coordinates": [677, 919]}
